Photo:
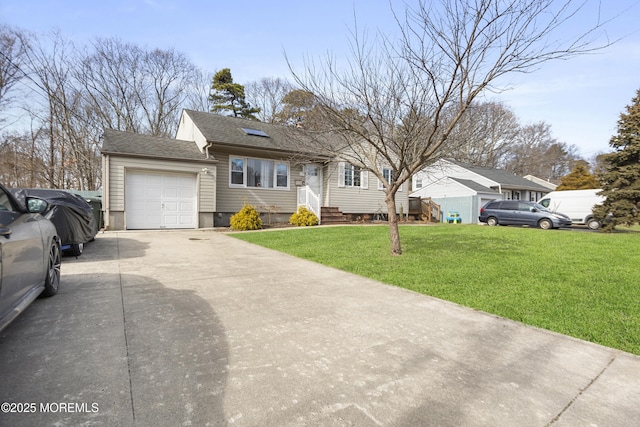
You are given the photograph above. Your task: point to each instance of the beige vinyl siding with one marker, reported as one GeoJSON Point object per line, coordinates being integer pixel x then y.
{"type": "Point", "coordinates": [206, 182]}
{"type": "Point", "coordinates": [356, 199]}
{"type": "Point", "coordinates": [277, 200]}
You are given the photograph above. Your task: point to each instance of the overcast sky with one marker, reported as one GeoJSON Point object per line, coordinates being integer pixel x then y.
{"type": "Point", "coordinates": [581, 98]}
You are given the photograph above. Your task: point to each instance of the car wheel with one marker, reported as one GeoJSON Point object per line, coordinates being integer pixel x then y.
{"type": "Point", "coordinates": [593, 224]}
{"type": "Point", "coordinates": [52, 281]}
{"type": "Point", "coordinates": [76, 249]}
{"type": "Point", "coordinates": [492, 220]}
{"type": "Point", "coordinates": [545, 224]}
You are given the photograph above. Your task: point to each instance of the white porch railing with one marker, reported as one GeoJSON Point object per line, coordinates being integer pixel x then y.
{"type": "Point", "coordinates": [310, 200]}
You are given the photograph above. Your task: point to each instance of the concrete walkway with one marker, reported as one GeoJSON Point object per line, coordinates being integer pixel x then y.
{"type": "Point", "coordinates": [197, 328]}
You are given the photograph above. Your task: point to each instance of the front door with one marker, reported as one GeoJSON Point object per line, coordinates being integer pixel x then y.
{"type": "Point", "coordinates": [313, 178]}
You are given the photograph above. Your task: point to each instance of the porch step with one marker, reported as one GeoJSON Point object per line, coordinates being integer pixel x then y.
{"type": "Point", "coordinates": [332, 215]}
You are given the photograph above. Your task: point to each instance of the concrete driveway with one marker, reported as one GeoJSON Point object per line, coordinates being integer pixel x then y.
{"type": "Point", "coordinates": [179, 328]}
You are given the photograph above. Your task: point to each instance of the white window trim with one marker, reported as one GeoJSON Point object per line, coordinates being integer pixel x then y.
{"type": "Point", "coordinates": [364, 176]}
{"type": "Point", "coordinates": [244, 173]}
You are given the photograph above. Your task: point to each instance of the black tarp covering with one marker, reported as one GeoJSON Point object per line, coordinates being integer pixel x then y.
{"type": "Point", "coordinates": [70, 213]}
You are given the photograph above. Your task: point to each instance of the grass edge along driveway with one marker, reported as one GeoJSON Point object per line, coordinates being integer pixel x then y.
{"type": "Point", "coordinates": [581, 284]}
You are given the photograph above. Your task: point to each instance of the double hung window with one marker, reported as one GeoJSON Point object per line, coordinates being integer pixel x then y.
{"type": "Point", "coordinates": [352, 176]}
{"type": "Point", "coordinates": [389, 177]}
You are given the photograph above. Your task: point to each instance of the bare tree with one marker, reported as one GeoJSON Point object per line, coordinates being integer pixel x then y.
{"type": "Point", "coordinates": [484, 135]}
{"type": "Point", "coordinates": [167, 85]}
{"type": "Point", "coordinates": [137, 90]}
{"type": "Point", "coordinates": [76, 93]}
{"type": "Point", "coordinates": [72, 155]}
{"type": "Point", "coordinates": [111, 76]}
{"type": "Point", "coordinates": [267, 95]}
{"type": "Point", "coordinates": [534, 151]}
{"type": "Point", "coordinates": [13, 48]}
{"type": "Point", "coordinates": [22, 160]}
{"type": "Point", "coordinates": [410, 93]}
{"type": "Point", "coordinates": [48, 67]}
{"type": "Point", "coordinates": [198, 92]}
{"type": "Point", "coordinates": [598, 164]}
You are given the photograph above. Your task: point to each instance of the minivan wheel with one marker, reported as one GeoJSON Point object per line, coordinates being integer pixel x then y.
{"type": "Point", "coordinates": [545, 224]}
{"type": "Point", "coordinates": [593, 224]}
{"type": "Point", "coordinates": [492, 220]}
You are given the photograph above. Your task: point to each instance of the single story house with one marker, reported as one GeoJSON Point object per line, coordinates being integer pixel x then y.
{"type": "Point", "coordinates": [216, 164]}
{"type": "Point", "coordinates": [466, 188]}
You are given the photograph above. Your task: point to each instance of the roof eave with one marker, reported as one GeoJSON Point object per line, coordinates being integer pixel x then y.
{"type": "Point", "coordinates": [269, 149]}
{"type": "Point", "coordinates": [152, 157]}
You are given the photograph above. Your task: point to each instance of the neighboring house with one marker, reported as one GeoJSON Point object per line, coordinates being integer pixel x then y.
{"type": "Point", "coordinates": [465, 188]}
{"type": "Point", "coordinates": [551, 186]}
{"type": "Point", "coordinates": [216, 164]}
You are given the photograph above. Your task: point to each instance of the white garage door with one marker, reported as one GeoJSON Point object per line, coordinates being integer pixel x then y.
{"type": "Point", "coordinates": [160, 200]}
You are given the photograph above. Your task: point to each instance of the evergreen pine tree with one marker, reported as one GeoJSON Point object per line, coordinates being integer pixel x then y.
{"type": "Point", "coordinates": [227, 96]}
{"type": "Point", "coordinates": [621, 180]}
{"type": "Point", "coordinates": [578, 179]}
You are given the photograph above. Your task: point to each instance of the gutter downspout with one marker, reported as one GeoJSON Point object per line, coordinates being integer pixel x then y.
{"type": "Point", "coordinates": [206, 149]}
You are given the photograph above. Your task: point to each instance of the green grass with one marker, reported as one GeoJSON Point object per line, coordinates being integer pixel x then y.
{"type": "Point", "coordinates": [582, 284]}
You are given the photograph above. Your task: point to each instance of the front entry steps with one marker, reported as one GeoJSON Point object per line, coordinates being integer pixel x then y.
{"type": "Point", "coordinates": [332, 215]}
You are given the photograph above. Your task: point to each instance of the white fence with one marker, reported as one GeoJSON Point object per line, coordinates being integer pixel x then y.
{"type": "Point", "coordinates": [310, 200]}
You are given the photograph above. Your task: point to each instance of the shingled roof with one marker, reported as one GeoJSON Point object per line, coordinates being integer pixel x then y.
{"type": "Point", "coordinates": [138, 145]}
{"type": "Point", "coordinates": [479, 188]}
{"type": "Point", "coordinates": [240, 132]}
{"type": "Point", "coordinates": [503, 177]}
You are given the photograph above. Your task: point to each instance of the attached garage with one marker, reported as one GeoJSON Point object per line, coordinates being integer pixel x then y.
{"type": "Point", "coordinates": [155, 200]}
{"type": "Point", "coordinates": [152, 183]}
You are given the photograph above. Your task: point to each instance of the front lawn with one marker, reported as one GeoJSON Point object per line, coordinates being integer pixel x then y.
{"type": "Point", "coordinates": [577, 283]}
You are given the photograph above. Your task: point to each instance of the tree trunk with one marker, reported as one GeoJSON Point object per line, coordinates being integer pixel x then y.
{"type": "Point", "coordinates": [394, 234]}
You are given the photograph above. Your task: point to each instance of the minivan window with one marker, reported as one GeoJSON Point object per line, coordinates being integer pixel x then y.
{"type": "Point", "coordinates": [509, 205]}
{"type": "Point", "coordinates": [525, 207]}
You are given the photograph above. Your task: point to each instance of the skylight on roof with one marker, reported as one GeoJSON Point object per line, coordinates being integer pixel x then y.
{"type": "Point", "coordinates": [255, 132]}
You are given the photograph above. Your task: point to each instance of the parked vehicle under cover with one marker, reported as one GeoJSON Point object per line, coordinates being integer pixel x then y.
{"type": "Point", "coordinates": [516, 212]}
{"type": "Point", "coordinates": [70, 213]}
{"type": "Point", "coordinates": [29, 254]}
